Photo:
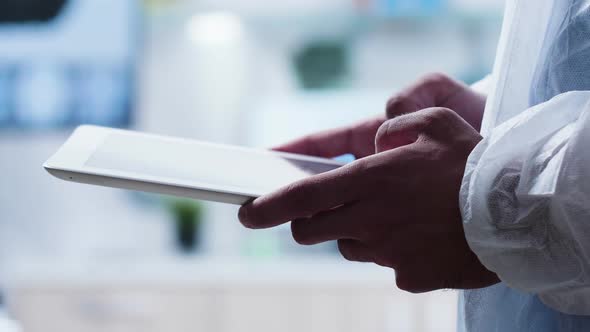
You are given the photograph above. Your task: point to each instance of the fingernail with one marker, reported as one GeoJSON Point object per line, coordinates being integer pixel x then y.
{"type": "Point", "coordinates": [243, 216]}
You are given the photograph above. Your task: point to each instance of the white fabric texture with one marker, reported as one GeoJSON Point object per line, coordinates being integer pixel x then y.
{"type": "Point", "coordinates": [525, 196]}
{"type": "Point", "coordinates": [528, 218]}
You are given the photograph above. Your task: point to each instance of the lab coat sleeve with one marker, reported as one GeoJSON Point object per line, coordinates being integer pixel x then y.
{"type": "Point", "coordinates": [525, 200]}
{"type": "Point", "coordinates": [483, 86]}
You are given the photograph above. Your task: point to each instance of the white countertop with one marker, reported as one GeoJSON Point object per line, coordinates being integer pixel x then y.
{"type": "Point", "coordinates": [199, 270]}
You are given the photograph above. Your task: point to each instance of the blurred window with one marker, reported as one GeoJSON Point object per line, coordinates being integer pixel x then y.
{"type": "Point", "coordinates": [65, 63]}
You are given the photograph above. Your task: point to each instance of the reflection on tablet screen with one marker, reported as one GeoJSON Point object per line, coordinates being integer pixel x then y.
{"type": "Point", "coordinates": [195, 164]}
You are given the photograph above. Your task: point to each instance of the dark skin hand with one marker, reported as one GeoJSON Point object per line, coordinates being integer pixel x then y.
{"type": "Point", "coordinates": [397, 207]}
{"type": "Point", "coordinates": [434, 90]}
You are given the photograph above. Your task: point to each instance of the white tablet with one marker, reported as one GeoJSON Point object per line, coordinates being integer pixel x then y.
{"type": "Point", "coordinates": [175, 166]}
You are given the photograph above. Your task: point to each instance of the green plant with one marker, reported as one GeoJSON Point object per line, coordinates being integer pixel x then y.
{"type": "Point", "coordinates": [187, 215]}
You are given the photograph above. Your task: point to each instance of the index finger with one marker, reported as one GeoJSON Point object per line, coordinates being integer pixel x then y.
{"type": "Point", "coordinates": [304, 198]}
{"type": "Point", "coordinates": [357, 139]}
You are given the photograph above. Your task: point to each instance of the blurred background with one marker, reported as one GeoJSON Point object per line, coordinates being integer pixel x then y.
{"type": "Point", "coordinates": [248, 72]}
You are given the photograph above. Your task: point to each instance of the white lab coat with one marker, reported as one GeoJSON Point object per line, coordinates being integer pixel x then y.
{"type": "Point", "coordinates": [525, 196]}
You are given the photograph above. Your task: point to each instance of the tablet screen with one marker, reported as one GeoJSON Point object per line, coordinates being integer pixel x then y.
{"type": "Point", "coordinates": [196, 164]}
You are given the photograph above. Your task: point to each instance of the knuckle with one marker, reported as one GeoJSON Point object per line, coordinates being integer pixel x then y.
{"type": "Point", "coordinates": [383, 131]}
{"type": "Point", "coordinates": [441, 114]}
{"type": "Point", "coordinates": [399, 105]}
{"type": "Point", "coordinates": [409, 100]}
{"type": "Point", "coordinates": [406, 101]}
{"type": "Point", "coordinates": [436, 79]}
{"type": "Point", "coordinates": [438, 117]}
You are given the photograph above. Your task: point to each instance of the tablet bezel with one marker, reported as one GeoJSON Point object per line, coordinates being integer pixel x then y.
{"type": "Point", "coordinates": [68, 163]}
